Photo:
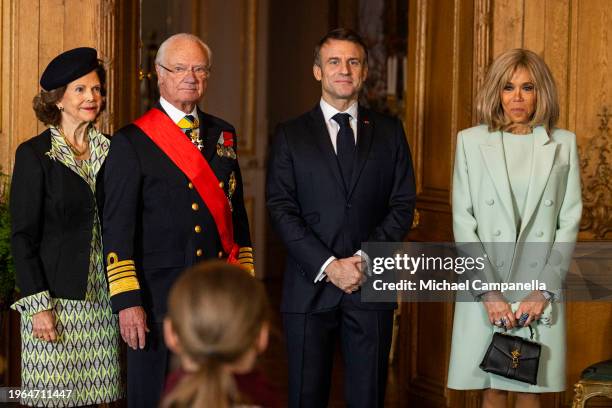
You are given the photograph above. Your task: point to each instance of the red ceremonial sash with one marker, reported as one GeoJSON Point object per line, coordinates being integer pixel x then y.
{"type": "Point", "coordinates": [173, 142]}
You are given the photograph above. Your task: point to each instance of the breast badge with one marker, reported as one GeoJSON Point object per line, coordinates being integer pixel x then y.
{"type": "Point", "coordinates": [225, 145]}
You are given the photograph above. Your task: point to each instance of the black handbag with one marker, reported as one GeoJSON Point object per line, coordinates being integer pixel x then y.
{"type": "Point", "coordinates": [513, 357]}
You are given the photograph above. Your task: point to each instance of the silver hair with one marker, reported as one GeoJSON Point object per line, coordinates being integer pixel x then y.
{"type": "Point", "coordinates": [161, 52]}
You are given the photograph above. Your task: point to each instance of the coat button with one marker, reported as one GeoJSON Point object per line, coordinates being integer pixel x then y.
{"type": "Point", "coordinates": [199, 252]}
{"type": "Point", "coordinates": [190, 185]}
{"type": "Point", "coordinates": [533, 264]}
{"type": "Point", "coordinates": [197, 229]}
{"type": "Point", "coordinates": [497, 233]}
{"type": "Point", "coordinates": [548, 203]}
{"type": "Point", "coordinates": [220, 254]}
{"type": "Point", "coordinates": [195, 206]}
{"type": "Point", "coordinates": [221, 184]}
{"type": "Point", "coordinates": [539, 234]}
{"type": "Point", "coordinates": [490, 201]}
{"type": "Point", "coordinates": [500, 264]}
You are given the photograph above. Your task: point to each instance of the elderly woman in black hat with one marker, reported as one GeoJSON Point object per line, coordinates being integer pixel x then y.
{"type": "Point", "coordinates": [70, 338]}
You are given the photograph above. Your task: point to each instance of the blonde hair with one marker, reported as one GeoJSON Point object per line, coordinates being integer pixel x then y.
{"type": "Point", "coordinates": [489, 109]}
{"type": "Point", "coordinates": [217, 312]}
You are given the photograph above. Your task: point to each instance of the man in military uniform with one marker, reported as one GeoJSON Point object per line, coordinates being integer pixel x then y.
{"type": "Point", "coordinates": [173, 197]}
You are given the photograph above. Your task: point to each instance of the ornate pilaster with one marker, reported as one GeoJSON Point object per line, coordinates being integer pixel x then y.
{"type": "Point", "coordinates": [596, 174]}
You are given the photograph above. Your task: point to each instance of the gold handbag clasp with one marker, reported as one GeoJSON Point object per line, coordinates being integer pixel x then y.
{"type": "Point", "coordinates": [515, 358]}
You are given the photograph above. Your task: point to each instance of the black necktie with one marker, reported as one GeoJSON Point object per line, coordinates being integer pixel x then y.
{"type": "Point", "coordinates": [345, 146]}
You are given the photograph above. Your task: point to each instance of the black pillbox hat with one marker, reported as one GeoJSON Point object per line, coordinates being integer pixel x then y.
{"type": "Point", "coordinates": [68, 66]}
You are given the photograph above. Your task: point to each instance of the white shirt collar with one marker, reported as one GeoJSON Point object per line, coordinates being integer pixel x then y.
{"type": "Point", "coordinates": [176, 114]}
{"type": "Point", "coordinates": [329, 111]}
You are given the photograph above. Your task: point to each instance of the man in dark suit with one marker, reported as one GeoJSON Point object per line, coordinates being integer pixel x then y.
{"type": "Point", "coordinates": [173, 198]}
{"type": "Point", "coordinates": [338, 176]}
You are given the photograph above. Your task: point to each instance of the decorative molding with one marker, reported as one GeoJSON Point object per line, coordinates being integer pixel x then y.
{"type": "Point", "coordinates": [415, 108]}
{"type": "Point", "coordinates": [578, 395]}
{"type": "Point", "coordinates": [8, 73]}
{"type": "Point", "coordinates": [586, 389]}
{"type": "Point", "coordinates": [107, 53]}
{"type": "Point", "coordinates": [597, 171]}
{"type": "Point", "coordinates": [248, 88]}
{"type": "Point", "coordinates": [456, 82]}
{"type": "Point", "coordinates": [573, 65]}
{"type": "Point", "coordinates": [482, 46]}
{"type": "Point", "coordinates": [2, 63]}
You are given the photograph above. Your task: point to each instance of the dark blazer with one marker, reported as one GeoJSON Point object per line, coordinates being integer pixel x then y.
{"type": "Point", "coordinates": [316, 217]}
{"type": "Point", "coordinates": [52, 215]}
{"type": "Point", "coordinates": [151, 211]}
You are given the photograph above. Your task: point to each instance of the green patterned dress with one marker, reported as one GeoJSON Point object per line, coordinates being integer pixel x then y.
{"type": "Point", "coordinates": [85, 358]}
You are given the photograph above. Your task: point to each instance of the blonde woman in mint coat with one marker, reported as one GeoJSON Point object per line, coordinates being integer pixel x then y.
{"type": "Point", "coordinates": [516, 180]}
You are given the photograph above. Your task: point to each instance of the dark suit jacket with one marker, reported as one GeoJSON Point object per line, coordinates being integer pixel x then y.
{"type": "Point", "coordinates": [52, 216]}
{"type": "Point", "coordinates": [149, 214]}
{"type": "Point", "coordinates": [314, 214]}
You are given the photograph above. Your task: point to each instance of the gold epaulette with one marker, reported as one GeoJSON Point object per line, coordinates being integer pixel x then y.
{"type": "Point", "coordinates": [245, 259]}
{"type": "Point", "coordinates": [121, 275]}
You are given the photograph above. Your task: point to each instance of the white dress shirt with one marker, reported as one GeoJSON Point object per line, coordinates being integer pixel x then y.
{"type": "Point", "coordinates": [176, 114]}
{"type": "Point", "coordinates": [333, 128]}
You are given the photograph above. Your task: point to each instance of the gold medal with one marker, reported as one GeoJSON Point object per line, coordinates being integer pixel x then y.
{"type": "Point", "coordinates": [232, 184]}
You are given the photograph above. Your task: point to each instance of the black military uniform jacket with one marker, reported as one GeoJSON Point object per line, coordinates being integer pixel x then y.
{"type": "Point", "coordinates": [52, 217]}
{"type": "Point", "coordinates": [155, 224]}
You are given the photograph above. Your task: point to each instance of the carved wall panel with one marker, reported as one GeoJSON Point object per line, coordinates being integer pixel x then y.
{"type": "Point", "coordinates": [596, 168]}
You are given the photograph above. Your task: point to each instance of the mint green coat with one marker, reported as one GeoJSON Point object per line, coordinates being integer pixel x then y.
{"type": "Point", "coordinates": [483, 212]}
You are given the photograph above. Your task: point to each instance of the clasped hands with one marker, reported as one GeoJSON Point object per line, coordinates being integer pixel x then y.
{"type": "Point", "coordinates": [346, 273]}
{"type": "Point", "coordinates": [500, 313]}
{"type": "Point", "coordinates": [133, 326]}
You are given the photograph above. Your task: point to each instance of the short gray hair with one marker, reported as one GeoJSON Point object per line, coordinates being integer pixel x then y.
{"type": "Point", "coordinates": [161, 52]}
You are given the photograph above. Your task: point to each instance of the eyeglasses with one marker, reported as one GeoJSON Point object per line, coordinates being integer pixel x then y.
{"type": "Point", "coordinates": [199, 71]}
